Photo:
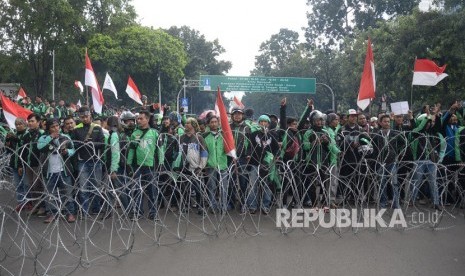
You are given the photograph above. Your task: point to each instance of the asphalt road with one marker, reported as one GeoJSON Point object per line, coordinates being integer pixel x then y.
{"type": "Point", "coordinates": [236, 246]}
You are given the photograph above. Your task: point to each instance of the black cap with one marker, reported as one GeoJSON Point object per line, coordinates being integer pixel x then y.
{"type": "Point", "coordinates": [237, 109]}
{"type": "Point", "coordinates": [84, 110]}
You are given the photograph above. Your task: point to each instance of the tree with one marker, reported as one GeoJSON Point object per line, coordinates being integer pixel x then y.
{"type": "Point", "coordinates": [30, 30]}
{"type": "Point", "coordinates": [110, 16]}
{"type": "Point", "coordinates": [143, 53]}
{"type": "Point", "coordinates": [202, 58]}
{"type": "Point", "coordinates": [332, 21]}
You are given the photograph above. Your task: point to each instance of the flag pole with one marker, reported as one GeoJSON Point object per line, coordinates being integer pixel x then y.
{"type": "Point", "coordinates": [411, 96]}
{"type": "Point", "coordinates": [87, 95]}
{"type": "Point", "coordinates": [411, 88]}
{"type": "Point", "coordinates": [87, 88]}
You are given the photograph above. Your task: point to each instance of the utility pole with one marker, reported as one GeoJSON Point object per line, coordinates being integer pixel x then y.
{"type": "Point", "coordinates": [159, 90]}
{"type": "Point", "coordinates": [53, 74]}
{"type": "Point", "coordinates": [333, 106]}
{"type": "Point", "coordinates": [186, 83]}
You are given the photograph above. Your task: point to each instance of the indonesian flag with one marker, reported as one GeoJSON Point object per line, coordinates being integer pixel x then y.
{"type": "Point", "coordinates": [427, 73]}
{"type": "Point", "coordinates": [228, 140]}
{"type": "Point", "coordinates": [12, 110]}
{"type": "Point", "coordinates": [79, 86]}
{"type": "Point", "coordinates": [133, 91]}
{"type": "Point", "coordinates": [237, 102]}
{"type": "Point", "coordinates": [368, 81]}
{"type": "Point", "coordinates": [91, 81]}
{"type": "Point", "coordinates": [21, 94]}
{"type": "Point", "coordinates": [108, 84]}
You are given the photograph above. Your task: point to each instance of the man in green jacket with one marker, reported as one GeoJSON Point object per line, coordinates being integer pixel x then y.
{"type": "Point", "coordinates": [141, 157]}
{"type": "Point", "coordinates": [217, 166]}
{"type": "Point", "coordinates": [332, 128]}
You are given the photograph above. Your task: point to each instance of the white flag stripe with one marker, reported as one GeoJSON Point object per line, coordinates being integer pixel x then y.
{"type": "Point", "coordinates": [108, 84]}
{"type": "Point", "coordinates": [133, 94]}
{"type": "Point", "coordinates": [78, 85]}
{"type": "Point", "coordinates": [427, 78]}
{"type": "Point", "coordinates": [98, 106]}
{"type": "Point", "coordinates": [10, 119]}
{"type": "Point", "coordinates": [90, 79]}
{"type": "Point", "coordinates": [363, 104]}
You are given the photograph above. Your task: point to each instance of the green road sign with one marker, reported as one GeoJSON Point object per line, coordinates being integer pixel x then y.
{"type": "Point", "coordinates": [258, 84]}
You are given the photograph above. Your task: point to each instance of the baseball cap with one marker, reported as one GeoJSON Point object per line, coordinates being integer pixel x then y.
{"type": "Point", "coordinates": [352, 112]}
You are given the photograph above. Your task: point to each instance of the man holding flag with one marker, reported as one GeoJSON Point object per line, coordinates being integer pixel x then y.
{"type": "Point", "coordinates": [217, 166]}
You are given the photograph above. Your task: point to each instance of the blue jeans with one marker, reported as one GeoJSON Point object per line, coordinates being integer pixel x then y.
{"type": "Point", "coordinates": [429, 169]}
{"type": "Point", "coordinates": [144, 178]}
{"type": "Point", "coordinates": [245, 189]}
{"type": "Point", "coordinates": [120, 184]}
{"type": "Point", "coordinates": [388, 172]}
{"type": "Point", "coordinates": [90, 177]}
{"type": "Point", "coordinates": [60, 193]}
{"type": "Point", "coordinates": [257, 182]}
{"type": "Point", "coordinates": [21, 184]}
{"type": "Point", "coordinates": [216, 177]}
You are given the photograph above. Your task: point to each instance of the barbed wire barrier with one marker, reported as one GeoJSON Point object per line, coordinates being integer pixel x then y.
{"type": "Point", "coordinates": [117, 216]}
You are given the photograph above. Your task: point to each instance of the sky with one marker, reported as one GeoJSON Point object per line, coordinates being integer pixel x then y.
{"type": "Point", "coordinates": [239, 25]}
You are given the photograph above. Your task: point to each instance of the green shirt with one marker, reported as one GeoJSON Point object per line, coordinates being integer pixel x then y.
{"type": "Point", "coordinates": [217, 158]}
{"type": "Point", "coordinates": [142, 148]}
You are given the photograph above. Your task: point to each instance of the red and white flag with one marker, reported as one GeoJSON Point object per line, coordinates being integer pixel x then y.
{"type": "Point", "coordinates": [238, 102]}
{"type": "Point", "coordinates": [228, 140]}
{"type": "Point", "coordinates": [79, 86]}
{"type": "Point", "coordinates": [368, 82]}
{"type": "Point", "coordinates": [133, 91]}
{"type": "Point", "coordinates": [12, 110]}
{"type": "Point", "coordinates": [427, 73]}
{"type": "Point", "coordinates": [91, 81]}
{"type": "Point", "coordinates": [21, 94]}
{"type": "Point", "coordinates": [108, 84]}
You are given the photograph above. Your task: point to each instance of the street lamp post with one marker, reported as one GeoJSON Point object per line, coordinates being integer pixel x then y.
{"type": "Point", "coordinates": [159, 90]}
{"type": "Point", "coordinates": [186, 83]}
{"type": "Point", "coordinates": [332, 95]}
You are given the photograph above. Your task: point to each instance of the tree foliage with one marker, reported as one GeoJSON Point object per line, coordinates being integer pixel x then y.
{"type": "Point", "coordinates": [203, 59]}
{"type": "Point", "coordinates": [435, 35]}
{"type": "Point", "coordinates": [144, 54]}
{"type": "Point", "coordinates": [31, 30]}
{"type": "Point", "coordinates": [330, 22]}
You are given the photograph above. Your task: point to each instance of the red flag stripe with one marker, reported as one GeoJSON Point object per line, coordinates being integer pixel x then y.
{"type": "Point", "coordinates": [91, 81]}
{"type": "Point", "coordinates": [368, 81]}
{"type": "Point", "coordinates": [426, 65]}
{"type": "Point", "coordinates": [13, 110]}
{"type": "Point", "coordinates": [228, 140]}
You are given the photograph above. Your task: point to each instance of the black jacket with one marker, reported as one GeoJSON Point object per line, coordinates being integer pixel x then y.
{"type": "Point", "coordinates": [91, 148]}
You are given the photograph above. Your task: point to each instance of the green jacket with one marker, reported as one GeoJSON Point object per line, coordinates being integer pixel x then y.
{"type": "Point", "coordinates": [40, 109]}
{"type": "Point", "coordinates": [3, 131]}
{"type": "Point", "coordinates": [142, 148]}
{"type": "Point", "coordinates": [217, 158]}
{"type": "Point", "coordinates": [50, 146]}
{"type": "Point", "coordinates": [333, 148]}
{"type": "Point", "coordinates": [458, 146]}
{"type": "Point", "coordinates": [112, 152]}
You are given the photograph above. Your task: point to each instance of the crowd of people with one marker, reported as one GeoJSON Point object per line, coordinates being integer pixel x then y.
{"type": "Point", "coordinates": [67, 160]}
